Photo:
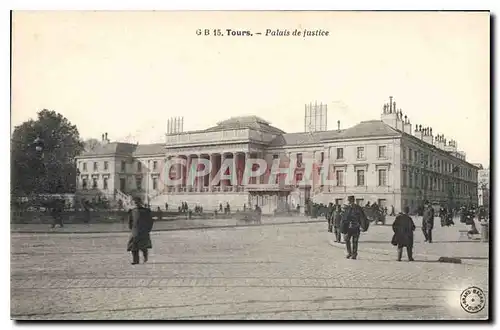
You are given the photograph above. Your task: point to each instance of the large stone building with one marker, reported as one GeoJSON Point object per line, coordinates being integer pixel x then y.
{"type": "Point", "coordinates": [385, 161]}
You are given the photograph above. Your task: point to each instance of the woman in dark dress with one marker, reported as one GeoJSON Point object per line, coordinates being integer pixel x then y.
{"type": "Point", "coordinates": [140, 224]}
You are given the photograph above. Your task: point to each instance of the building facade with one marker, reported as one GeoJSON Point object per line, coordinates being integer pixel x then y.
{"type": "Point", "coordinates": [380, 161]}
{"type": "Point", "coordinates": [483, 186]}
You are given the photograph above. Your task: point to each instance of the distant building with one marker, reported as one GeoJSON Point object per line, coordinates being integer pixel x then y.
{"type": "Point", "coordinates": [382, 161]}
{"type": "Point", "coordinates": [483, 186]}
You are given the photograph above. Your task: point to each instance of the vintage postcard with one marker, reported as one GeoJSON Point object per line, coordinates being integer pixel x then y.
{"type": "Point", "coordinates": [232, 165]}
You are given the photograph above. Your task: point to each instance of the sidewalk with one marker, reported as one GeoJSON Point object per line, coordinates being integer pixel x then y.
{"type": "Point", "coordinates": [181, 224]}
{"type": "Point", "coordinates": [447, 242]}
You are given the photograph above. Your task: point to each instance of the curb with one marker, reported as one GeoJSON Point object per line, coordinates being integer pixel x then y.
{"type": "Point", "coordinates": [429, 257]}
{"type": "Point", "coordinates": [159, 230]}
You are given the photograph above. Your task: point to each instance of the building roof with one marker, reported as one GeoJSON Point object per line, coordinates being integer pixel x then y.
{"type": "Point", "coordinates": [149, 149]}
{"type": "Point", "coordinates": [301, 138]}
{"type": "Point", "coordinates": [252, 122]}
{"type": "Point", "coordinates": [113, 148]}
{"type": "Point", "coordinates": [371, 128]}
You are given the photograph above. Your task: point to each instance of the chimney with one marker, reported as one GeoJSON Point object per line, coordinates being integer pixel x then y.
{"type": "Point", "coordinates": [390, 115]}
{"type": "Point", "coordinates": [428, 137]}
{"type": "Point", "coordinates": [102, 138]}
{"type": "Point", "coordinates": [407, 125]}
{"type": "Point", "coordinates": [418, 132]}
{"type": "Point", "coordinates": [106, 137]}
{"type": "Point", "coordinates": [338, 125]}
{"type": "Point", "coordinates": [451, 147]}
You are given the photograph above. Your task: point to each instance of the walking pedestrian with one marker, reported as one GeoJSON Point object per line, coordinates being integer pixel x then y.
{"type": "Point", "coordinates": [86, 212]}
{"type": "Point", "coordinates": [353, 222]}
{"type": "Point", "coordinates": [428, 221]}
{"type": "Point", "coordinates": [393, 213]}
{"type": "Point", "coordinates": [258, 214]}
{"type": "Point", "coordinates": [337, 218]}
{"type": "Point", "coordinates": [403, 228]}
{"type": "Point", "coordinates": [140, 224]}
{"type": "Point", "coordinates": [329, 217]}
{"type": "Point", "coordinates": [56, 212]}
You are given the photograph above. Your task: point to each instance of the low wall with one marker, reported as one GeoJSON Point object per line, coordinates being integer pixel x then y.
{"type": "Point", "coordinates": [103, 216]}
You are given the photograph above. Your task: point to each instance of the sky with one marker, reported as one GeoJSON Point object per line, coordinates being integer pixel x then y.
{"type": "Point", "coordinates": [127, 73]}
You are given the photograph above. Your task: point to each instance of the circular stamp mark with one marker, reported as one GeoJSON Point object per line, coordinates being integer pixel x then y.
{"type": "Point", "coordinates": [472, 300]}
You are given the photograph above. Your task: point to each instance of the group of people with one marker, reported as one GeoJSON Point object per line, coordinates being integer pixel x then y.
{"type": "Point", "coordinates": [227, 208]}
{"type": "Point", "coordinates": [349, 220]}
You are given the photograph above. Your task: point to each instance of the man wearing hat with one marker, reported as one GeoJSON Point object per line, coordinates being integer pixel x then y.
{"type": "Point", "coordinates": [140, 224]}
{"type": "Point", "coordinates": [353, 222]}
{"type": "Point", "coordinates": [428, 221]}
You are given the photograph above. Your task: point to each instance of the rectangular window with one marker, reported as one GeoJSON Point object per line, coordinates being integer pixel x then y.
{"type": "Point", "coordinates": [410, 181]}
{"type": "Point", "coordinates": [94, 183]}
{"type": "Point", "coordinates": [339, 201]}
{"type": "Point", "coordinates": [95, 166]}
{"type": "Point", "coordinates": [360, 153]}
{"type": "Point", "coordinates": [123, 166]}
{"type": "Point", "coordinates": [84, 183]}
{"type": "Point", "coordinates": [276, 157]}
{"type": "Point", "coordinates": [155, 165]}
{"type": "Point", "coordinates": [155, 183]}
{"type": "Point", "coordinates": [138, 183]}
{"type": "Point", "coordinates": [340, 153]}
{"type": "Point", "coordinates": [139, 166]}
{"type": "Point", "coordinates": [410, 155]}
{"type": "Point", "coordinates": [382, 178]}
{"type": "Point", "coordinates": [404, 153]}
{"type": "Point", "coordinates": [405, 177]}
{"type": "Point", "coordinates": [105, 184]}
{"type": "Point", "coordinates": [360, 177]}
{"type": "Point", "coordinates": [382, 152]}
{"type": "Point", "coordinates": [360, 201]}
{"type": "Point", "coordinates": [85, 167]}
{"type": "Point", "coordinates": [299, 160]}
{"type": "Point", "coordinates": [415, 155]}
{"type": "Point", "coordinates": [322, 157]}
{"type": "Point", "coordinates": [106, 166]}
{"type": "Point", "coordinates": [123, 184]}
{"type": "Point", "coordinates": [339, 175]}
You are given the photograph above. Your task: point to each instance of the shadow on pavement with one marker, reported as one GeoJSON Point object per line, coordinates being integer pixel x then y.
{"type": "Point", "coordinates": [473, 258]}
{"type": "Point", "coordinates": [468, 241]}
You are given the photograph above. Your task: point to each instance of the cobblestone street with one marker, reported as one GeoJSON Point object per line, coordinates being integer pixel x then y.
{"type": "Point", "coordinates": [286, 271]}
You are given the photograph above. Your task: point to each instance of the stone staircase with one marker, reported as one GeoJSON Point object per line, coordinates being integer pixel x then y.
{"type": "Point", "coordinates": [126, 199]}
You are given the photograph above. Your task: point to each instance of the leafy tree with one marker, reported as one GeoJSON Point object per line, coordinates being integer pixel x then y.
{"type": "Point", "coordinates": [91, 144]}
{"type": "Point", "coordinates": [52, 170]}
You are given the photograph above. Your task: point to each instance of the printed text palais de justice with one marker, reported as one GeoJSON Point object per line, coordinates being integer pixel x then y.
{"type": "Point", "coordinates": [267, 33]}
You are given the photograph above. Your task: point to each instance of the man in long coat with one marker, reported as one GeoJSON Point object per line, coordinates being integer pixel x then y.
{"type": "Point", "coordinates": [428, 222]}
{"type": "Point", "coordinates": [353, 222]}
{"type": "Point", "coordinates": [140, 224]}
{"type": "Point", "coordinates": [403, 228]}
{"type": "Point", "coordinates": [329, 217]}
{"type": "Point", "coordinates": [337, 219]}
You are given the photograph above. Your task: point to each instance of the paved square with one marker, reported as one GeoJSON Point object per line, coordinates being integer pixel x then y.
{"type": "Point", "coordinates": [287, 271]}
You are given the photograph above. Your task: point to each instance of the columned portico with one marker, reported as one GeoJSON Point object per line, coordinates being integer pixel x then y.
{"type": "Point", "coordinates": [212, 181]}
